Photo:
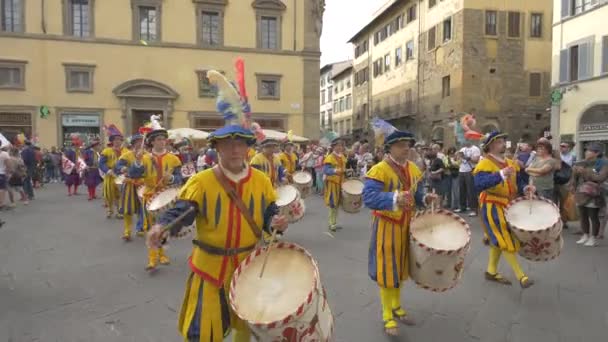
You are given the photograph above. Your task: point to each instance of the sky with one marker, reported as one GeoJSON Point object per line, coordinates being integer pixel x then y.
{"type": "Point", "coordinates": [341, 20]}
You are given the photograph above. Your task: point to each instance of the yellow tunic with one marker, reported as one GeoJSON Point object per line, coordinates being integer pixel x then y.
{"type": "Point", "coordinates": [156, 167]}
{"type": "Point", "coordinates": [289, 162]}
{"type": "Point", "coordinates": [129, 201]}
{"type": "Point", "coordinates": [268, 167]}
{"type": "Point", "coordinates": [492, 203]}
{"type": "Point", "coordinates": [333, 183]}
{"type": "Point", "coordinates": [110, 189]}
{"type": "Point", "coordinates": [250, 154]}
{"type": "Point", "coordinates": [219, 224]}
{"type": "Point", "coordinates": [389, 245]}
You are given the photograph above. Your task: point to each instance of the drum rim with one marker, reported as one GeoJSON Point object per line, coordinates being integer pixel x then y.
{"type": "Point", "coordinates": [532, 232]}
{"type": "Point", "coordinates": [297, 192]}
{"type": "Point", "coordinates": [451, 215]}
{"type": "Point", "coordinates": [302, 172]}
{"type": "Point", "coordinates": [300, 309]}
{"type": "Point", "coordinates": [153, 197]}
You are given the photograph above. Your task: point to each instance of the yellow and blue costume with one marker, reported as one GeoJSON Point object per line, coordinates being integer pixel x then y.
{"type": "Point", "coordinates": [129, 203]}
{"type": "Point", "coordinates": [107, 162]}
{"type": "Point", "coordinates": [289, 161]}
{"type": "Point", "coordinates": [389, 246]}
{"type": "Point", "coordinates": [271, 167]}
{"type": "Point", "coordinates": [333, 169]}
{"type": "Point", "coordinates": [495, 194]}
{"type": "Point", "coordinates": [250, 154]}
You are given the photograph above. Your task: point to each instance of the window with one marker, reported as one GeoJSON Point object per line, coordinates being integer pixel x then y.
{"type": "Point", "coordinates": [205, 89]}
{"type": "Point", "coordinates": [378, 67]}
{"type": "Point", "coordinates": [432, 3]}
{"type": "Point", "coordinates": [78, 18]}
{"type": "Point", "coordinates": [269, 33]}
{"type": "Point", "coordinates": [341, 105]}
{"type": "Point", "coordinates": [398, 56]}
{"type": "Point", "coordinates": [269, 86]}
{"type": "Point", "coordinates": [79, 78]}
{"type": "Point", "coordinates": [514, 24]}
{"type": "Point", "coordinates": [411, 14]}
{"type": "Point", "coordinates": [574, 7]}
{"type": "Point", "coordinates": [12, 74]}
{"type": "Point", "coordinates": [348, 102]}
{"type": "Point", "coordinates": [348, 83]}
{"type": "Point", "coordinates": [447, 30]}
{"type": "Point", "coordinates": [408, 101]}
{"type": "Point", "coordinates": [387, 62]}
{"type": "Point", "coordinates": [536, 25]}
{"type": "Point", "coordinates": [409, 50]}
{"type": "Point", "coordinates": [322, 97]}
{"type": "Point", "coordinates": [342, 85]}
{"type": "Point", "coordinates": [445, 87]}
{"type": "Point", "coordinates": [605, 54]}
{"type": "Point", "coordinates": [322, 81]}
{"type": "Point", "coordinates": [336, 88]}
{"type": "Point", "coordinates": [535, 84]}
{"type": "Point", "coordinates": [491, 23]}
{"type": "Point", "coordinates": [12, 16]}
{"type": "Point", "coordinates": [431, 38]}
{"type": "Point", "coordinates": [147, 24]}
{"type": "Point", "coordinates": [211, 28]}
{"type": "Point", "coordinates": [336, 106]}
{"type": "Point", "coordinates": [576, 62]}
{"type": "Point", "coordinates": [574, 65]}
{"type": "Point", "coordinates": [329, 94]}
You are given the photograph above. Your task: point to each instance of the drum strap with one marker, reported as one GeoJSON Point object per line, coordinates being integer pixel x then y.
{"type": "Point", "coordinates": [221, 251]}
{"type": "Point", "coordinates": [234, 197]}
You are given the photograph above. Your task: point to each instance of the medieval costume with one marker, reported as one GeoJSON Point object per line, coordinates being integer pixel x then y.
{"type": "Point", "coordinates": [92, 178]}
{"type": "Point", "coordinates": [496, 191]}
{"type": "Point", "coordinates": [130, 204]}
{"type": "Point", "coordinates": [388, 249]}
{"type": "Point", "coordinates": [271, 166]}
{"type": "Point", "coordinates": [333, 169]}
{"type": "Point", "coordinates": [107, 162]}
{"type": "Point", "coordinates": [72, 178]}
{"type": "Point", "coordinates": [157, 170]}
{"type": "Point", "coordinates": [289, 161]}
{"type": "Point", "coordinates": [224, 237]}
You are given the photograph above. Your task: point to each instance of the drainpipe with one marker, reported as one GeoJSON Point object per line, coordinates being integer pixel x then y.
{"type": "Point", "coordinates": [555, 105]}
{"type": "Point", "coordinates": [295, 20]}
{"type": "Point", "coordinates": [42, 17]}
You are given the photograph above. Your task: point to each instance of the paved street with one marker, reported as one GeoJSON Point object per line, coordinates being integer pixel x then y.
{"type": "Point", "coordinates": [65, 276]}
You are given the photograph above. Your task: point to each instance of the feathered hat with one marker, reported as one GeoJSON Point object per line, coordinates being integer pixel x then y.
{"type": "Point", "coordinates": [386, 134]}
{"type": "Point", "coordinates": [233, 105]}
{"type": "Point", "coordinates": [288, 140]}
{"type": "Point", "coordinates": [329, 139]}
{"type": "Point", "coordinates": [153, 130]}
{"type": "Point", "coordinates": [113, 132]}
{"type": "Point", "coordinates": [489, 138]}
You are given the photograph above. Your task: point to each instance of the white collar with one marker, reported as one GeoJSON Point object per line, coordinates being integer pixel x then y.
{"type": "Point", "coordinates": [396, 162]}
{"type": "Point", "coordinates": [235, 177]}
{"type": "Point", "coordinates": [498, 158]}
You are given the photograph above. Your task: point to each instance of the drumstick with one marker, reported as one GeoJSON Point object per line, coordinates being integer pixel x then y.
{"type": "Point", "coordinates": [274, 234]}
{"type": "Point", "coordinates": [530, 195]}
{"type": "Point", "coordinates": [433, 204]}
{"type": "Point", "coordinates": [172, 224]}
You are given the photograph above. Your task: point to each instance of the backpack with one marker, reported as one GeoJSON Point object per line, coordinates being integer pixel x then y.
{"type": "Point", "coordinates": [563, 175]}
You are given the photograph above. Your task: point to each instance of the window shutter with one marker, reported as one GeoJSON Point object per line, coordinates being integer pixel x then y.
{"type": "Point", "coordinates": [585, 60]}
{"type": "Point", "coordinates": [565, 8]}
{"type": "Point", "coordinates": [605, 54]}
{"type": "Point", "coordinates": [563, 66]}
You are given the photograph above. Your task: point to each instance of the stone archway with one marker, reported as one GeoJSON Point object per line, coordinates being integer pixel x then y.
{"type": "Point", "coordinates": [144, 97]}
{"type": "Point", "coordinates": [593, 123]}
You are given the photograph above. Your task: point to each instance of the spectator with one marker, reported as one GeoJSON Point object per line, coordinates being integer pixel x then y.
{"type": "Point", "coordinates": [588, 176]}
{"type": "Point", "coordinates": [4, 160]}
{"type": "Point", "coordinates": [200, 160]}
{"type": "Point", "coordinates": [307, 161]}
{"type": "Point", "coordinates": [365, 160]}
{"type": "Point", "coordinates": [470, 155]}
{"type": "Point", "coordinates": [56, 159]}
{"type": "Point", "coordinates": [29, 159]}
{"type": "Point", "coordinates": [49, 168]}
{"type": "Point", "coordinates": [542, 168]}
{"type": "Point", "coordinates": [18, 172]}
{"type": "Point", "coordinates": [320, 156]}
{"type": "Point", "coordinates": [567, 155]}
{"type": "Point", "coordinates": [436, 171]}
{"type": "Point", "coordinates": [452, 165]}
{"type": "Point", "coordinates": [524, 157]}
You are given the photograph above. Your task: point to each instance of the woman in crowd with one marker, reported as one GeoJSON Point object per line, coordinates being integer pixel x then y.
{"type": "Point", "coordinates": [542, 168]}
{"type": "Point", "coordinates": [452, 166]}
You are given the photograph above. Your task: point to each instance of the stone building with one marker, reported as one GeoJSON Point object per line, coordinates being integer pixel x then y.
{"type": "Point", "coordinates": [343, 100]}
{"type": "Point", "coordinates": [326, 92]}
{"type": "Point", "coordinates": [424, 63]}
{"type": "Point", "coordinates": [87, 63]}
{"type": "Point", "coordinates": [580, 72]}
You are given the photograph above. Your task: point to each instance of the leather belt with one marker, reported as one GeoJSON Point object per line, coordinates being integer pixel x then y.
{"type": "Point", "coordinates": [221, 251]}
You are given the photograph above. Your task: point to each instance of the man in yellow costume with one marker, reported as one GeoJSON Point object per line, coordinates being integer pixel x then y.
{"type": "Point", "coordinates": [159, 169]}
{"type": "Point", "coordinates": [224, 234]}
{"type": "Point", "coordinates": [498, 180]}
{"type": "Point", "coordinates": [107, 163]}
{"type": "Point", "coordinates": [267, 162]}
{"type": "Point", "coordinates": [130, 203]}
{"type": "Point", "coordinates": [392, 189]}
{"type": "Point", "coordinates": [333, 168]}
{"type": "Point", "coordinates": [289, 160]}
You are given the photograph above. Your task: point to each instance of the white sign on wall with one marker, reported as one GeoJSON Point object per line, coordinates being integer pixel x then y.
{"type": "Point", "coordinates": [75, 120]}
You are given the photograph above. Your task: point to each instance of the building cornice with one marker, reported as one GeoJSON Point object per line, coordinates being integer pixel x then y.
{"type": "Point", "coordinates": [587, 80]}
{"type": "Point", "coordinates": [576, 16]}
{"type": "Point", "coordinates": [168, 45]}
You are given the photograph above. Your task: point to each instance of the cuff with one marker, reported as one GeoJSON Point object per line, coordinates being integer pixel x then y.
{"type": "Point", "coordinates": [395, 195]}
{"type": "Point", "coordinates": [502, 175]}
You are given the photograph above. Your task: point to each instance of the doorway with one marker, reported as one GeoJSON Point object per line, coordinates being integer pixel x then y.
{"type": "Point", "coordinates": [140, 117]}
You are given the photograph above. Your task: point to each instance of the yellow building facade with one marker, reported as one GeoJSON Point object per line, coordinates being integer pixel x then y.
{"type": "Point", "coordinates": [91, 63]}
{"type": "Point", "coordinates": [580, 72]}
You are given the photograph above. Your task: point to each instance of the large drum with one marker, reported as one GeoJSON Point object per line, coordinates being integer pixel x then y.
{"type": "Point", "coordinates": [303, 181]}
{"type": "Point", "coordinates": [188, 170]}
{"type": "Point", "coordinates": [352, 195]}
{"type": "Point", "coordinates": [141, 190]}
{"type": "Point", "coordinates": [290, 204]}
{"type": "Point", "coordinates": [537, 225]}
{"type": "Point", "coordinates": [438, 244]}
{"type": "Point", "coordinates": [289, 302]}
{"type": "Point", "coordinates": [163, 200]}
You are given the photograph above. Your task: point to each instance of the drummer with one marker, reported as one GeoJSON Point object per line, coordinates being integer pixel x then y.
{"type": "Point", "coordinates": [107, 162]}
{"type": "Point", "coordinates": [289, 160]}
{"type": "Point", "coordinates": [158, 169]}
{"type": "Point", "coordinates": [498, 180]}
{"type": "Point", "coordinates": [267, 162]}
{"type": "Point", "coordinates": [221, 241]}
{"type": "Point", "coordinates": [129, 201]}
{"type": "Point", "coordinates": [392, 189]}
{"type": "Point", "coordinates": [92, 178]}
{"type": "Point", "coordinates": [333, 168]}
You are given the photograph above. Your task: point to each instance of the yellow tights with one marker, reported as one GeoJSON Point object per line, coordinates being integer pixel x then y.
{"type": "Point", "coordinates": [511, 259]}
{"type": "Point", "coordinates": [128, 225]}
{"type": "Point", "coordinates": [391, 300]}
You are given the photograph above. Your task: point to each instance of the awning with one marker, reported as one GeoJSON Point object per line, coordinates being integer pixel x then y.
{"type": "Point", "coordinates": [271, 133]}
{"type": "Point", "coordinates": [3, 141]}
{"type": "Point", "coordinates": [189, 133]}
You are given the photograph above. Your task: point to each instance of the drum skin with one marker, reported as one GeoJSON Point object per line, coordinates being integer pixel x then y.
{"type": "Point", "coordinates": [352, 195]}
{"type": "Point", "coordinates": [303, 182]}
{"type": "Point", "coordinates": [438, 244]}
{"type": "Point", "coordinates": [290, 204]}
{"type": "Point", "coordinates": [307, 318]}
{"type": "Point", "coordinates": [537, 225]}
{"type": "Point", "coordinates": [163, 200]}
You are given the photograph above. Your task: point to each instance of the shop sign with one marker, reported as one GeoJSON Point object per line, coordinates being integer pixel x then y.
{"type": "Point", "coordinates": [72, 120]}
{"type": "Point", "coordinates": [15, 119]}
{"type": "Point", "coordinates": [600, 126]}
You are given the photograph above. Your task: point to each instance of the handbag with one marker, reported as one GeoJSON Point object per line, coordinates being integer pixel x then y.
{"type": "Point", "coordinates": [591, 189]}
{"type": "Point", "coordinates": [569, 210]}
{"type": "Point", "coordinates": [563, 175]}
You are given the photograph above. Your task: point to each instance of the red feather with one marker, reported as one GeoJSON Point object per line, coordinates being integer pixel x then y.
{"type": "Point", "coordinates": [240, 78]}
